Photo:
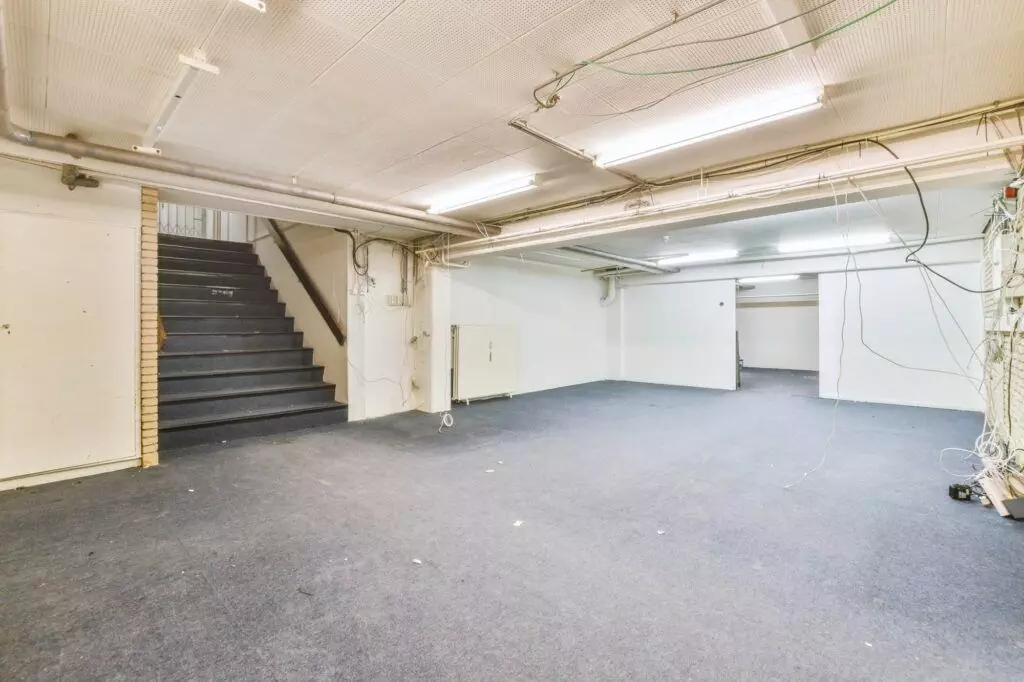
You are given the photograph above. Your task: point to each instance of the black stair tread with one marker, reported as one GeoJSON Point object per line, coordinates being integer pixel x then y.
{"type": "Point", "coordinates": [202, 374]}
{"type": "Point", "coordinates": [169, 334]}
{"type": "Point", "coordinates": [189, 422]}
{"type": "Point", "coordinates": [185, 259]}
{"type": "Point", "coordinates": [218, 317]}
{"type": "Point", "coordinates": [203, 243]}
{"type": "Point", "coordinates": [213, 285]}
{"type": "Point", "coordinates": [242, 392]}
{"type": "Point", "coordinates": [217, 301]}
{"type": "Point", "coordinates": [189, 353]}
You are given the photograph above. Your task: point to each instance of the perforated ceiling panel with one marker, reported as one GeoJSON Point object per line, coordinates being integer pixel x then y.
{"type": "Point", "coordinates": [404, 98]}
{"type": "Point", "coordinates": [424, 33]}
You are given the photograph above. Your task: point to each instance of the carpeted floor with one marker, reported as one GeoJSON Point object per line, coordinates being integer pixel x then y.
{"type": "Point", "coordinates": [606, 531]}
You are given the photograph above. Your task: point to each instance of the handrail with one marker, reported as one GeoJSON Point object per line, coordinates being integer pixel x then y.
{"type": "Point", "coordinates": [277, 234]}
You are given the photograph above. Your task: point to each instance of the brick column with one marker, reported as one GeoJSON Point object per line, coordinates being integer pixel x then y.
{"type": "Point", "coordinates": [149, 331]}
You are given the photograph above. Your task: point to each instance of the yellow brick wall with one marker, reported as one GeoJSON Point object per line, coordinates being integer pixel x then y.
{"type": "Point", "coordinates": [148, 329]}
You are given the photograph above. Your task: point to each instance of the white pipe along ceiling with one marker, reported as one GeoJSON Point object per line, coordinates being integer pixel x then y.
{"type": "Point", "coordinates": [77, 149]}
{"type": "Point", "coordinates": [656, 216]}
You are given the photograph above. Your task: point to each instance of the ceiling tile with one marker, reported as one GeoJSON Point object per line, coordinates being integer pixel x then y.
{"type": "Point", "coordinates": [283, 39]}
{"type": "Point", "coordinates": [515, 17]}
{"type": "Point", "coordinates": [196, 17]}
{"type": "Point", "coordinates": [352, 16]}
{"type": "Point", "coordinates": [28, 58]}
{"type": "Point", "coordinates": [349, 93]}
{"type": "Point", "coordinates": [901, 32]}
{"type": "Point", "coordinates": [98, 88]}
{"type": "Point", "coordinates": [121, 32]}
{"type": "Point", "coordinates": [502, 82]}
{"type": "Point", "coordinates": [972, 74]}
{"type": "Point", "coordinates": [582, 31]}
{"type": "Point", "coordinates": [31, 14]}
{"type": "Point", "coordinates": [436, 37]}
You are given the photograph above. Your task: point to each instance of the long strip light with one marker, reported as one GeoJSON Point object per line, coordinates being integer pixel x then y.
{"type": "Point", "coordinates": [481, 193]}
{"type": "Point", "coordinates": [705, 257]}
{"type": "Point", "coordinates": [715, 123]}
{"type": "Point", "coordinates": [257, 5]}
{"type": "Point", "coordinates": [830, 243]}
{"type": "Point", "coordinates": [767, 278]}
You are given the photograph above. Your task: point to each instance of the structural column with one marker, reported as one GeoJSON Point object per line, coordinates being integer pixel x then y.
{"type": "Point", "coordinates": [149, 330]}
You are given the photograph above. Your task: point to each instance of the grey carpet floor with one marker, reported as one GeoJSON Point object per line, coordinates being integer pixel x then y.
{"type": "Point", "coordinates": [656, 542]}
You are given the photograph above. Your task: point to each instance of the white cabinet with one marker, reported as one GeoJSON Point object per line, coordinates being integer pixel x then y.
{"type": "Point", "coordinates": [484, 361]}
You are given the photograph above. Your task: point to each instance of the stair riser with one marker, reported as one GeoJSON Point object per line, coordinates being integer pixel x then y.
{"type": "Point", "coordinates": [210, 363]}
{"type": "Point", "coordinates": [218, 309]}
{"type": "Point", "coordinates": [219, 255]}
{"type": "Point", "coordinates": [222, 294]}
{"type": "Point", "coordinates": [184, 344]}
{"type": "Point", "coordinates": [204, 408]}
{"type": "Point", "coordinates": [195, 242]}
{"type": "Point", "coordinates": [185, 265]}
{"type": "Point", "coordinates": [213, 325]}
{"type": "Point", "coordinates": [240, 381]}
{"type": "Point", "coordinates": [215, 279]}
{"type": "Point", "coordinates": [264, 426]}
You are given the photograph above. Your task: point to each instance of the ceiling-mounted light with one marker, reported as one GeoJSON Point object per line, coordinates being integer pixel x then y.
{"type": "Point", "coordinates": [739, 116]}
{"type": "Point", "coordinates": [767, 278]}
{"type": "Point", "coordinates": [830, 243]}
{"type": "Point", "coordinates": [705, 257]}
{"type": "Point", "coordinates": [257, 5]}
{"type": "Point", "coordinates": [481, 193]}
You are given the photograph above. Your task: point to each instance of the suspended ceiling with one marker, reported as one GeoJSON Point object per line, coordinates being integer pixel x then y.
{"type": "Point", "coordinates": [405, 100]}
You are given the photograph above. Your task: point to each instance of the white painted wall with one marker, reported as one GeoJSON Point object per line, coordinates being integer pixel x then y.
{"type": "Point", "coordinates": [778, 324]}
{"type": "Point", "coordinates": [680, 334]}
{"type": "Point", "coordinates": [381, 355]}
{"type": "Point", "coordinates": [779, 337]}
{"type": "Point", "coordinates": [325, 255]}
{"type": "Point", "coordinates": [891, 308]}
{"type": "Point", "coordinates": [561, 325]}
{"type": "Point", "coordinates": [69, 327]}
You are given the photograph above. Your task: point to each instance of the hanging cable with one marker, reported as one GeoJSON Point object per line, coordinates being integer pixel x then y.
{"type": "Point", "coordinates": [713, 41]}
{"type": "Point", "coordinates": [747, 60]}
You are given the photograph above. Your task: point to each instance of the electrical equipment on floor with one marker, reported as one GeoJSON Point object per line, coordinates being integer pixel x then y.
{"type": "Point", "coordinates": [485, 361]}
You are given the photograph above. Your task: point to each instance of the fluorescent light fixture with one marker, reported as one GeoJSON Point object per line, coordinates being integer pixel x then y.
{"type": "Point", "coordinates": [709, 125]}
{"type": "Point", "coordinates": [257, 5]}
{"type": "Point", "coordinates": [704, 257]}
{"type": "Point", "coordinates": [830, 243]}
{"type": "Point", "coordinates": [481, 193]}
{"type": "Point", "coordinates": [767, 278]}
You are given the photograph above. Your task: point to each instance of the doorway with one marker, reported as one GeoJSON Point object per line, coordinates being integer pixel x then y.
{"type": "Point", "coordinates": [777, 334]}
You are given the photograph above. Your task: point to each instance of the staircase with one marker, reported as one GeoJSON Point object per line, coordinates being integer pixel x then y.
{"type": "Point", "coordinates": [233, 364]}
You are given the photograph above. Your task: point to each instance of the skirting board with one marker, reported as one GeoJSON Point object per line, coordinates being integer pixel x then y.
{"type": "Point", "coordinates": [42, 477]}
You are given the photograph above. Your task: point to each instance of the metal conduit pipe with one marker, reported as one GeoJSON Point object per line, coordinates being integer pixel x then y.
{"type": "Point", "coordinates": [81, 149]}
{"type": "Point", "coordinates": [636, 263]}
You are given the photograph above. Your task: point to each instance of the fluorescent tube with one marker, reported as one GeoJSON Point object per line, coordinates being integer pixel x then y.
{"type": "Point", "coordinates": [767, 278]}
{"type": "Point", "coordinates": [740, 116]}
{"type": "Point", "coordinates": [829, 243]}
{"type": "Point", "coordinates": [482, 193]}
{"type": "Point", "coordinates": [257, 5]}
{"type": "Point", "coordinates": [705, 257]}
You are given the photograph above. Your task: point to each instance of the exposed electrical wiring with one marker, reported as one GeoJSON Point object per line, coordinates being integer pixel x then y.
{"type": "Point", "coordinates": [747, 60]}
{"type": "Point", "coordinates": [725, 39]}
